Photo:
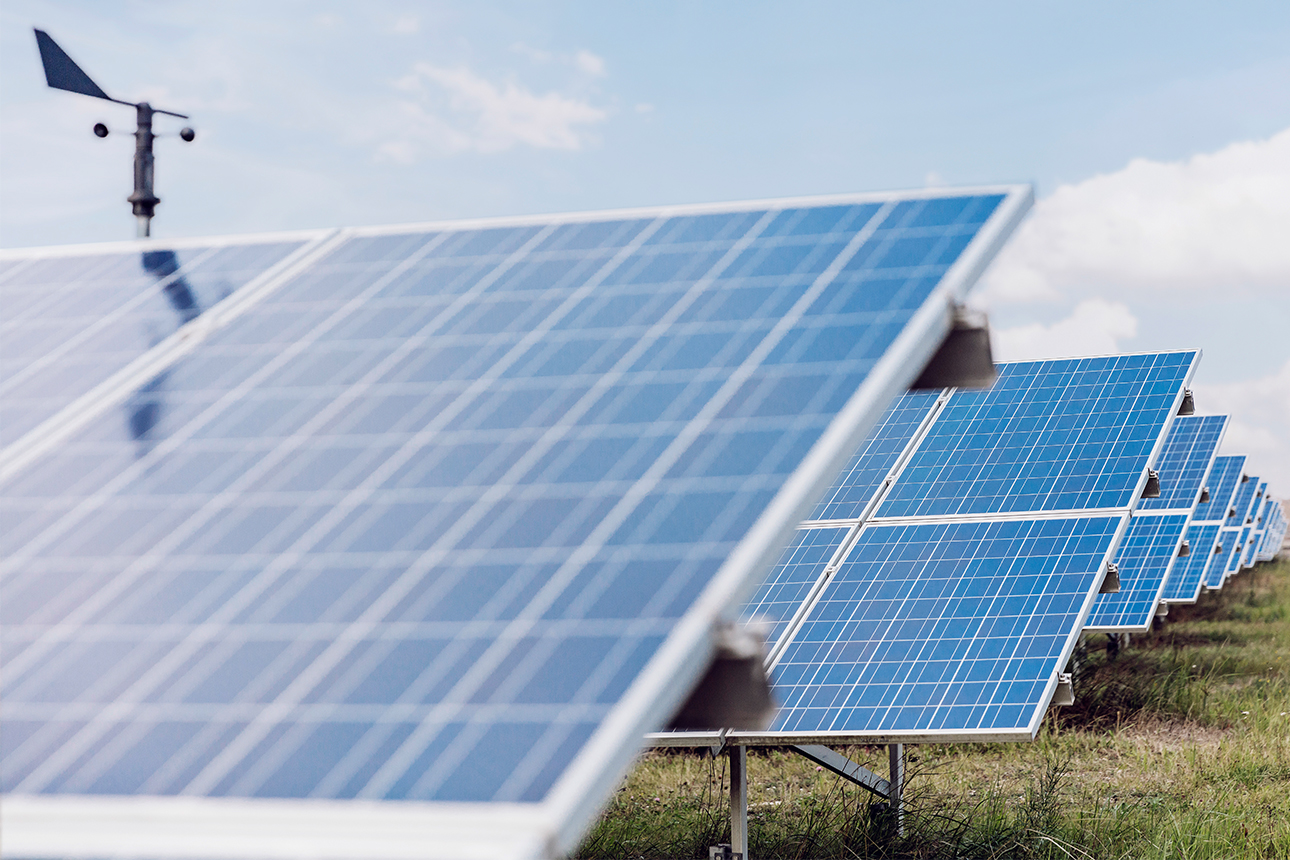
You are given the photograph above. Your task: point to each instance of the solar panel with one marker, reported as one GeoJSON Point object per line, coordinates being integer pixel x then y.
{"type": "Point", "coordinates": [1256, 527]}
{"type": "Point", "coordinates": [449, 515]}
{"type": "Point", "coordinates": [1185, 463]}
{"type": "Point", "coordinates": [897, 631]}
{"type": "Point", "coordinates": [1224, 480]}
{"type": "Point", "coordinates": [1048, 436]}
{"type": "Point", "coordinates": [1149, 552]}
{"type": "Point", "coordinates": [1188, 574]}
{"type": "Point", "coordinates": [75, 318]}
{"type": "Point", "coordinates": [945, 631]}
{"type": "Point", "coordinates": [1216, 573]}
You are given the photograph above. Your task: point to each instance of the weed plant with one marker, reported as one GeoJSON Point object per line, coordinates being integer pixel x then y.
{"type": "Point", "coordinates": [1179, 747]}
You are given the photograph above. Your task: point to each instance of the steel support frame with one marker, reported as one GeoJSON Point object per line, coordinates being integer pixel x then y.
{"type": "Point", "coordinates": [891, 789]}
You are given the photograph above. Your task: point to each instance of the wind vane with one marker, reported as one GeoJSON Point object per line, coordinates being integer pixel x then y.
{"type": "Point", "coordinates": [62, 73]}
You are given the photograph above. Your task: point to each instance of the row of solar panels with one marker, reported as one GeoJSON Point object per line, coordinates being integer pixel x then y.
{"type": "Point", "coordinates": [396, 540]}
{"type": "Point", "coordinates": [939, 589]}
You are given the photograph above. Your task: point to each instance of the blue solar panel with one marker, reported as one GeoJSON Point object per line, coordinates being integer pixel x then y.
{"type": "Point", "coordinates": [1188, 573]}
{"type": "Point", "coordinates": [70, 322]}
{"type": "Point", "coordinates": [1242, 503]}
{"type": "Point", "coordinates": [1256, 527]}
{"type": "Point", "coordinates": [1144, 558]}
{"type": "Point", "coordinates": [1184, 464]}
{"type": "Point", "coordinates": [1069, 434]}
{"type": "Point", "coordinates": [872, 463]}
{"type": "Point", "coordinates": [1224, 479]}
{"type": "Point", "coordinates": [803, 565]}
{"type": "Point", "coordinates": [1229, 540]}
{"type": "Point", "coordinates": [1235, 563]}
{"type": "Point", "coordinates": [954, 630]}
{"type": "Point", "coordinates": [415, 525]}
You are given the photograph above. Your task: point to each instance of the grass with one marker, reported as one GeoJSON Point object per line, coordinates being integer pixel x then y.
{"type": "Point", "coordinates": [1178, 748]}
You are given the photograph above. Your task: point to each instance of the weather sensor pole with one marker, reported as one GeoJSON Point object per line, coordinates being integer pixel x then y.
{"type": "Point", "coordinates": [63, 74]}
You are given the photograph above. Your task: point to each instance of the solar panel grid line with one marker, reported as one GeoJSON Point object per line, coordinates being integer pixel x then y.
{"type": "Point", "coordinates": [180, 243]}
{"type": "Point", "coordinates": [568, 794]}
{"type": "Point", "coordinates": [812, 597]}
{"type": "Point", "coordinates": [283, 561]}
{"type": "Point", "coordinates": [59, 427]}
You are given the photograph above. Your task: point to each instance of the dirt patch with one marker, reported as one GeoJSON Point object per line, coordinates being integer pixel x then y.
{"type": "Point", "coordinates": [1160, 736]}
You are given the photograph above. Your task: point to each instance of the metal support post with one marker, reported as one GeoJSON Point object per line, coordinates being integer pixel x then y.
{"type": "Point", "coordinates": [896, 781]}
{"type": "Point", "coordinates": [143, 201]}
{"type": "Point", "coordinates": [738, 801]}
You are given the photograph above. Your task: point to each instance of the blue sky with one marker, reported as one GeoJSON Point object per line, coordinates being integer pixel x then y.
{"type": "Point", "coordinates": [1151, 132]}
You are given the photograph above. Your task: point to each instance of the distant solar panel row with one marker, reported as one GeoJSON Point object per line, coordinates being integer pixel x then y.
{"type": "Point", "coordinates": [890, 625]}
{"type": "Point", "coordinates": [1149, 555]}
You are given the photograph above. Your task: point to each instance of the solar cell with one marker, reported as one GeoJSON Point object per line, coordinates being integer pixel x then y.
{"type": "Point", "coordinates": [72, 320]}
{"type": "Point", "coordinates": [448, 515]}
{"type": "Point", "coordinates": [1062, 435]}
{"type": "Point", "coordinates": [1188, 573]}
{"type": "Point", "coordinates": [1146, 555]}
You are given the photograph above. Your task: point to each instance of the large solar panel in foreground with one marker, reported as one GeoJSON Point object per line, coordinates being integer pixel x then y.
{"type": "Point", "coordinates": [447, 517]}
{"type": "Point", "coordinates": [954, 626]}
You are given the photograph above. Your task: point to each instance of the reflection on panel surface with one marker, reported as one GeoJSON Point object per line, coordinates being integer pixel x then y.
{"type": "Point", "coordinates": [71, 322]}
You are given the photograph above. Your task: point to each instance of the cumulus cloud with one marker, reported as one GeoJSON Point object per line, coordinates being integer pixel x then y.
{"type": "Point", "coordinates": [455, 110]}
{"type": "Point", "coordinates": [1260, 410]}
{"type": "Point", "coordinates": [1214, 219]}
{"type": "Point", "coordinates": [1095, 327]}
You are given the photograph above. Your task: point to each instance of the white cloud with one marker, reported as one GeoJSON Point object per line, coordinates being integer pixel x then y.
{"type": "Point", "coordinates": [1093, 328]}
{"type": "Point", "coordinates": [407, 25]}
{"type": "Point", "coordinates": [1218, 219]}
{"type": "Point", "coordinates": [1260, 410]}
{"type": "Point", "coordinates": [590, 64]}
{"type": "Point", "coordinates": [454, 109]}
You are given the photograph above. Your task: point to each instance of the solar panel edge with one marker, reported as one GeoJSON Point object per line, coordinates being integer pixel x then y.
{"type": "Point", "coordinates": [146, 826]}
{"type": "Point", "coordinates": [118, 387]}
{"type": "Point", "coordinates": [661, 688]}
{"type": "Point", "coordinates": [130, 245]}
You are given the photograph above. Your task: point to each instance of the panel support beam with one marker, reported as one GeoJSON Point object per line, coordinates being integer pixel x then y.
{"type": "Point", "coordinates": [891, 789]}
{"type": "Point", "coordinates": [738, 801]}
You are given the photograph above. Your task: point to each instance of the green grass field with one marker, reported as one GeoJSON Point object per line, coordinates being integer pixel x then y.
{"type": "Point", "coordinates": [1178, 748]}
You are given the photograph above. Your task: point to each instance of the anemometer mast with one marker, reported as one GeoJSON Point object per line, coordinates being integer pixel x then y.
{"type": "Point", "coordinates": [62, 73]}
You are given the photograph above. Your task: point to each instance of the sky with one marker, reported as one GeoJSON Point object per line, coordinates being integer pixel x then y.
{"type": "Point", "coordinates": [1157, 136]}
